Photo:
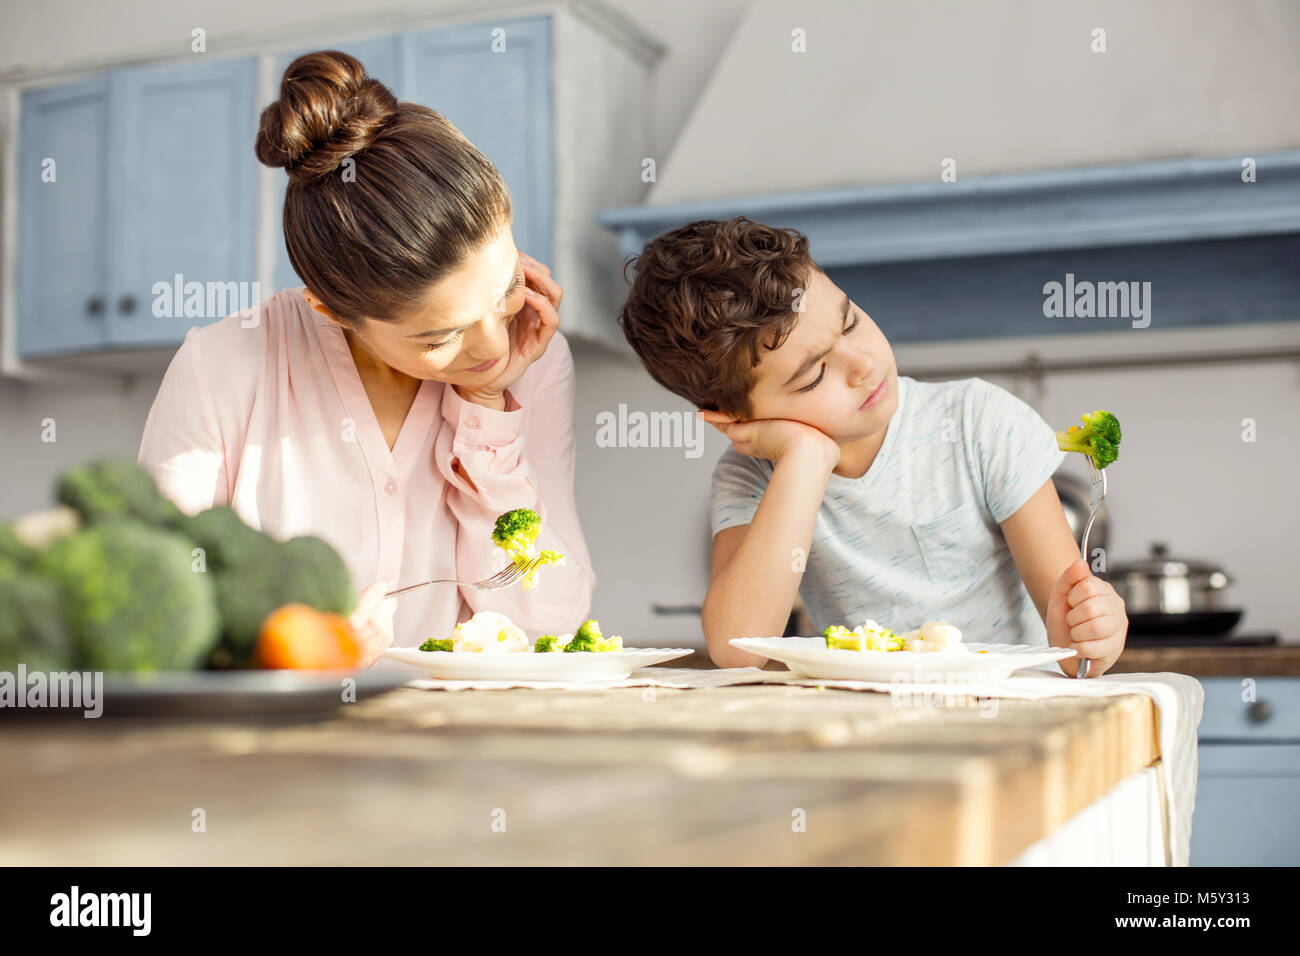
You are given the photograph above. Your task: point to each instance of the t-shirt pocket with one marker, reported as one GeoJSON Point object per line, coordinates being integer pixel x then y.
{"type": "Point", "coordinates": [946, 543]}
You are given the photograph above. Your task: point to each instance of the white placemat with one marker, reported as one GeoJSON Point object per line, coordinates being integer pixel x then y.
{"type": "Point", "coordinates": [683, 678]}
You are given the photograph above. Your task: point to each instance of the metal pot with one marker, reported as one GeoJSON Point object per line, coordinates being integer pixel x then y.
{"type": "Point", "coordinates": [1162, 584]}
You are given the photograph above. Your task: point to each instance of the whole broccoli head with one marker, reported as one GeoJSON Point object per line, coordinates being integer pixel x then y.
{"type": "Point", "coordinates": [13, 552]}
{"type": "Point", "coordinates": [131, 597]}
{"type": "Point", "coordinates": [32, 629]}
{"type": "Point", "coordinates": [227, 542]}
{"type": "Point", "coordinates": [516, 531]}
{"type": "Point", "coordinates": [316, 575]}
{"type": "Point", "coordinates": [116, 488]}
{"type": "Point", "coordinates": [255, 574]}
{"type": "Point", "coordinates": [1098, 438]}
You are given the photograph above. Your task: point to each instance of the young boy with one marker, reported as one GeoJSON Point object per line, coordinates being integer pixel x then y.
{"type": "Point", "coordinates": [872, 494]}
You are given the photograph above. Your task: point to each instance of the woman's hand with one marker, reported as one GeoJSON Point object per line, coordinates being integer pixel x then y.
{"type": "Point", "coordinates": [1085, 612]}
{"type": "Point", "coordinates": [530, 332]}
{"type": "Point", "coordinates": [372, 622]}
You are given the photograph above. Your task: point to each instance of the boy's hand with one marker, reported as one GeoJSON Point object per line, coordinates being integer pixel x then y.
{"type": "Point", "coordinates": [772, 438]}
{"type": "Point", "coordinates": [1085, 613]}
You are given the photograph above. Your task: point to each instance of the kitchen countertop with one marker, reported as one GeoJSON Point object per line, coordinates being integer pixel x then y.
{"type": "Point", "coordinates": [1279, 660]}
{"type": "Point", "coordinates": [618, 776]}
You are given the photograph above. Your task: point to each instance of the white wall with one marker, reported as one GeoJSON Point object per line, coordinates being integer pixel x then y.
{"type": "Point", "coordinates": [645, 509]}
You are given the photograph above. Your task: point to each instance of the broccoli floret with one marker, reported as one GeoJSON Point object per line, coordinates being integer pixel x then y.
{"type": "Point", "coordinates": [544, 644]}
{"type": "Point", "coordinates": [543, 557]}
{"type": "Point", "coordinates": [516, 531]}
{"type": "Point", "coordinates": [1098, 438]}
{"type": "Point", "coordinates": [255, 574]}
{"type": "Point", "coordinates": [131, 598]}
{"type": "Point", "coordinates": [32, 629]}
{"type": "Point", "coordinates": [433, 644]}
{"type": "Point", "coordinates": [589, 638]}
{"type": "Point", "coordinates": [839, 636]}
{"type": "Point", "coordinates": [585, 638]}
{"type": "Point", "coordinates": [116, 488]}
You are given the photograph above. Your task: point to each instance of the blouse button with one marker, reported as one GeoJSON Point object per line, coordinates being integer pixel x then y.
{"type": "Point", "coordinates": [473, 423]}
{"type": "Point", "coordinates": [391, 487]}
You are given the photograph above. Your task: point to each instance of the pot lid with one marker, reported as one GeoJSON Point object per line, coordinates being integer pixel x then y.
{"type": "Point", "coordinates": [1161, 565]}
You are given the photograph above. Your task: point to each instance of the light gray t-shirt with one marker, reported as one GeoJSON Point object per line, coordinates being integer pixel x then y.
{"type": "Point", "coordinates": [916, 538]}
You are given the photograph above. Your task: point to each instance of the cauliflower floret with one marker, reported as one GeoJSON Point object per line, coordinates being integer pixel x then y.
{"type": "Point", "coordinates": [934, 636]}
{"type": "Point", "coordinates": [488, 632]}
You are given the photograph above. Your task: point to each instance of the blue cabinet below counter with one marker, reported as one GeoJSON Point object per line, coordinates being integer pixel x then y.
{"type": "Point", "coordinates": [1248, 777]}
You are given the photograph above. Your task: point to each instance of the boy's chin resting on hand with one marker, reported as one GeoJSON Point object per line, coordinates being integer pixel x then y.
{"type": "Point", "coordinates": [1085, 613]}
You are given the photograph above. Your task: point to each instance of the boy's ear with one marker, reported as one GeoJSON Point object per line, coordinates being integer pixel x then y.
{"type": "Point", "coordinates": [716, 418]}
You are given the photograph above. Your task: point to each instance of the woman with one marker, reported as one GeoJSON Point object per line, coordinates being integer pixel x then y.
{"type": "Point", "coordinates": [415, 387]}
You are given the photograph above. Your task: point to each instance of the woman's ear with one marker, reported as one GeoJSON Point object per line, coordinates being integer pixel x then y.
{"type": "Point", "coordinates": [319, 306]}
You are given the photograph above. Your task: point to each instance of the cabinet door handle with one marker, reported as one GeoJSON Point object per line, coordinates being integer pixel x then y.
{"type": "Point", "coordinates": [126, 304]}
{"type": "Point", "coordinates": [1260, 711]}
{"type": "Point", "coordinates": [95, 305]}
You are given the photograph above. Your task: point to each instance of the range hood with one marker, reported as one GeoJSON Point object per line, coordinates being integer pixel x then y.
{"type": "Point", "coordinates": [847, 142]}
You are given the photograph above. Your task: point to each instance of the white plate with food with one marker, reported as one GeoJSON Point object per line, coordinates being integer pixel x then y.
{"type": "Point", "coordinates": [489, 647]}
{"type": "Point", "coordinates": [873, 653]}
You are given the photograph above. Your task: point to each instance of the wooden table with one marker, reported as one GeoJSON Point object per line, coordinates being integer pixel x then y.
{"type": "Point", "coordinates": [622, 776]}
{"type": "Point", "coordinates": [1276, 660]}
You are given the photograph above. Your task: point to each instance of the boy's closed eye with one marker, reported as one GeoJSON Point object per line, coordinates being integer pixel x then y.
{"type": "Point", "coordinates": [822, 374]}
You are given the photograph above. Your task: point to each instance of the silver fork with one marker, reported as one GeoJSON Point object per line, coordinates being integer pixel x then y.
{"type": "Point", "coordinates": [1097, 483]}
{"type": "Point", "coordinates": [502, 579]}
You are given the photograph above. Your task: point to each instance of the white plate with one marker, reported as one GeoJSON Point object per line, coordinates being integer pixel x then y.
{"type": "Point", "coordinates": [810, 657]}
{"type": "Point", "coordinates": [527, 665]}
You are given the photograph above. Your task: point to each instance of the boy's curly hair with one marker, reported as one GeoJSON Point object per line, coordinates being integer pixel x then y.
{"type": "Point", "coordinates": [705, 297]}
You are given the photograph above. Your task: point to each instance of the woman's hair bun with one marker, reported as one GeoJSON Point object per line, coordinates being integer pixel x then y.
{"type": "Point", "coordinates": [328, 110]}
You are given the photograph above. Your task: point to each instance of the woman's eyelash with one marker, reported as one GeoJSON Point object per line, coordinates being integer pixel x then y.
{"type": "Point", "coordinates": [447, 341]}
{"type": "Point", "coordinates": [808, 388]}
{"type": "Point", "coordinates": [455, 335]}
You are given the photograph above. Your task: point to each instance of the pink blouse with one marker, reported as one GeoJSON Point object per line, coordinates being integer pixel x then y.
{"type": "Point", "coordinates": [268, 414]}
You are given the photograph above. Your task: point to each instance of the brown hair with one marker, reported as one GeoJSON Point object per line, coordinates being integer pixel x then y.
{"type": "Point", "coordinates": [705, 297]}
{"type": "Point", "coordinates": [423, 198]}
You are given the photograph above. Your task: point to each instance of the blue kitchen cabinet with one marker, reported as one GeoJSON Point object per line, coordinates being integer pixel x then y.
{"type": "Point", "coordinates": [154, 178]}
{"type": "Point", "coordinates": [1248, 777]}
{"type": "Point", "coordinates": [183, 206]}
{"type": "Point", "coordinates": [495, 87]}
{"type": "Point", "coordinates": [493, 81]}
{"type": "Point", "coordinates": [62, 277]}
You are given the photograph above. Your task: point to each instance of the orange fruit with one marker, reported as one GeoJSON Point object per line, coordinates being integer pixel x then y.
{"type": "Point", "coordinates": [299, 637]}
